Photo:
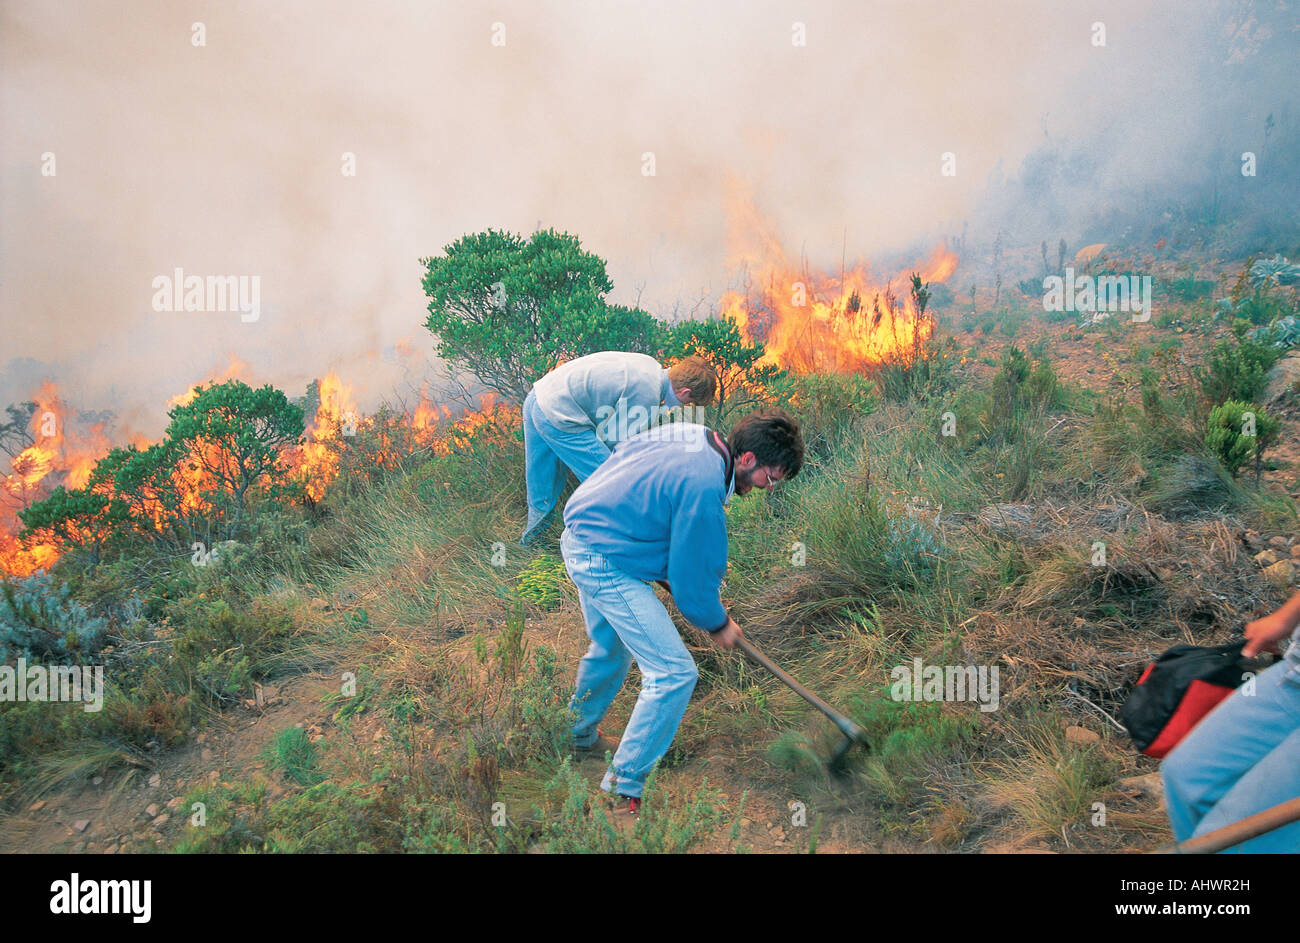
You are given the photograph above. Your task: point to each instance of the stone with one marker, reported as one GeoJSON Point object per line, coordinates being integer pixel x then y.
{"type": "Point", "coordinates": [1295, 551]}
{"type": "Point", "coordinates": [155, 780]}
{"type": "Point", "coordinates": [151, 809]}
{"type": "Point", "coordinates": [1266, 558]}
{"type": "Point", "coordinates": [1081, 736]}
{"type": "Point", "coordinates": [111, 850]}
{"type": "Point", "coordinates": [1281, 573]}
{"type": "Point", "coordinates": [36, 806]}
{"type": "Point", "coordinates": [1279, 543]}
{"type": "Point", "coordinates": [81, 824]}
{"type": "Point", "coordinates": [97, 781]}
{"type": "Point", "coordinates": [161, 820]}
{"type": "Point", "coordinates": [173, 802]}
{"type": "Point", "coordinates": [205, 755]}
{"type": "Point", "coordinates": [1148, 784]}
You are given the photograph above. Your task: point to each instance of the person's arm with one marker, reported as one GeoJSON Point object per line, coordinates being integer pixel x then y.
{"type": "Point", "coordinates": [1263, 635]}
{"type": "Point", "coordinates": [697, 557]}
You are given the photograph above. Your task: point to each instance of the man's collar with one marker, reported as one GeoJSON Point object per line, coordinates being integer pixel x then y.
{"type": "Point", "coordinates": [728, 466]}
{"type": "Point", "coordinates": [667, 393]}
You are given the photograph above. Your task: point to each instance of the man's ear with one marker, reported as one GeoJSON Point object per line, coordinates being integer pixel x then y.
{"type": "Point", "coordinates": [747, 461]}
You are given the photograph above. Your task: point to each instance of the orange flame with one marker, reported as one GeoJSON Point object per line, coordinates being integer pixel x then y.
{"type": "Point", "coordinates": [812, 321]}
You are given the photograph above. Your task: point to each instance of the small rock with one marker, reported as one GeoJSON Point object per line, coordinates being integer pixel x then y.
{"type": "Point", "coordinates": [318, 605]}
{"type": "Point", "coordinates": [155, 780]}
{"type": "Point", "coordinates": [161, 820]}
{"type": "Point", "coordinates": [111, 850]}
{"type": "Point", "coordinates": [201, 737]}
{"type": "Point", "coordinates": [81, 824]}
{"type": "Point", "coordinates": [36, 806]}
{"type": "Point", "coordinates": [1295, 551]}
{"type": "Point", "coordinates": [205, 755]}
{"type": "Point", "coordinates": [1266, 558]}
{"type": "Point", "coordinates": [1148, 785]}
{"type": "Point", "coordinates": [151, 809]}
{"type": "Point", "coordinates": [97, 781]}
{"type": "Point", "coordinates": [1081, 735]}
{"type": "Point", "coordinates": [1254, 541]}
{"type": "Point", "coordinates": [173, 802]}
{"type": "Point", "coordinates": [79, 847]}
{"type": "Point", "coordinates": [1279, 543]}
{"type": "Point", "coordinates": [1282, 573]}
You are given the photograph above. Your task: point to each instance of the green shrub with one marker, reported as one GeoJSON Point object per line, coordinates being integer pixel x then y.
{"type": "Point", "coordinates": [293, 753]}
{"type": "Point", "coordinates": [1237, 371]}
{"type": "Point", "coordinates": [542, 580]}
{"type": "Point", "coordinates": [41, 621]}
{"type": "Point", "coordinates": [224, 644]}
{"type": "Point", "coordinates": [1239, 431]}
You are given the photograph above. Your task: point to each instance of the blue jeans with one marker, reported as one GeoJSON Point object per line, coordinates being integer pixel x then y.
{"type": "Point", "coordinates": [1242, 758]}
{"type": "Point", "coordinates": [626, 622]}
{"type": "Point", "coordinates": [549, 453]}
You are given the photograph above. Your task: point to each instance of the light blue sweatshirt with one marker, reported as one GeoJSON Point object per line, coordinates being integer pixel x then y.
{"type": "Point", "coordinates": [655, 509]}
{"type": "Point", "coordinates": [615, 393]}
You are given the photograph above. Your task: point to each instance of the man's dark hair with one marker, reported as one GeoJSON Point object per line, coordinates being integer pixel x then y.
{"type": "Point", "coordinates": [773, 436]}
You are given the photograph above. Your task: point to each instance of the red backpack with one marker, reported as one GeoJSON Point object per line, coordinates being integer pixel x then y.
{"type": "Point", "coordinates": [1177, 690]}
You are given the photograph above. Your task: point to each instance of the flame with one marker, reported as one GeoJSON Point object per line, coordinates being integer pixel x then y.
{"type": "Point", "coordinates": [33, 474]}
{"type": "Point", "coordinates": [813, 321]}
{"type": "Point", "coordinates": [316, 461]}
{"type": "Point", "coordinates": [236, 370]}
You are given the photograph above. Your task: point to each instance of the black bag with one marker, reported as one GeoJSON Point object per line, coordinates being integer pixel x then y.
{"type": "Point", "coordinates": [1177, 690]}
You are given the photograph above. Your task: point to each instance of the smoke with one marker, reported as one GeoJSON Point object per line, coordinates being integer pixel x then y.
{"type": "Point", "coordinates": [227, 159]}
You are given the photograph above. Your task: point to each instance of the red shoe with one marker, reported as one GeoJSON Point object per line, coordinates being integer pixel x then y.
{"type": "Point", "coordinates": [624, 811]}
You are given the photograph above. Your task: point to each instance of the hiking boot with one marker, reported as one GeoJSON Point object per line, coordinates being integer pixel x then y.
{"type": "Point", "coordinates": [603, 744]}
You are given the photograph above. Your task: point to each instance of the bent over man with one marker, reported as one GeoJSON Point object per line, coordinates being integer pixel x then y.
{"type": "Point", "coordinates": [574, 414]}
{"type": "Point", "coordinates": [654, 512]}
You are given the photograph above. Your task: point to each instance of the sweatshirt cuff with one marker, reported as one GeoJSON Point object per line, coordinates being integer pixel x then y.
{"type": "Point", "coordinates": [723, 626]}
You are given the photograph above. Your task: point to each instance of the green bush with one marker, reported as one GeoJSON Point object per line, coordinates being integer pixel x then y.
{"type": "Point", "coordinates": [1239, 431]}
{"type": "Point", "coordinates": [542, 580]}
{"type": "Point", "coordinates": [1237, 371]}
{"type": "Point", "coordinates": [226, 643]}
{"type": "Point", "coordinates": [41, 621]}
{"type": "Point", "coordinates": [293, 753]}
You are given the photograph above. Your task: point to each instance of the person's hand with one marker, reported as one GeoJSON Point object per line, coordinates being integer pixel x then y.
{"type": "Point", "coordinates": [726, 637]}
{"type": "Point", "coordinates": [1263, 635]}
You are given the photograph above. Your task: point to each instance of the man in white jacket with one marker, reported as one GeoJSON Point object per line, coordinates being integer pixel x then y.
{"type": "Point", "coordinates": [577, 413]}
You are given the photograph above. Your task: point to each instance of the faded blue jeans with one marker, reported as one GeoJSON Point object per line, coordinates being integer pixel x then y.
{"type": "Point", "coordinates": [549, 453]}
{"type": "Point", "coordinates": [1242, 758]}
{"type": "Point", "coordinates": [626, 622]}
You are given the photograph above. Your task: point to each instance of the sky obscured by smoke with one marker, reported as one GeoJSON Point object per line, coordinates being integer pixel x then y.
{"type": "Point", "coordinates": [226, 159]}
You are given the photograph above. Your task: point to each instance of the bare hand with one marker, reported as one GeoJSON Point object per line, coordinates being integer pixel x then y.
{"type": "Point", "coordinates": [726, 637]}
{"type": "Point", "coordinates": [1263, 635]}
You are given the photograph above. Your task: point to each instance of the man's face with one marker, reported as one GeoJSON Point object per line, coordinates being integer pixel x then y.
{"type": "Point", "coordinates": [751, 475]}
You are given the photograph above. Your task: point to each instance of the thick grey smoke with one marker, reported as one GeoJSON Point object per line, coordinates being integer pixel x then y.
{"type": "Point", "coordinates": [227, 159]}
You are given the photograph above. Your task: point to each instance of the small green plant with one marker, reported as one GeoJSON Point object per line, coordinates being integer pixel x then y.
{"type": "Point", "coordinates": [542, 580]}
{"type": "Point", "coordinates": [293, 753]}
{"type": "Point", "coordinates": [1239, 431]}
{"type": "Point", "coordinates": [1237, 371]}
